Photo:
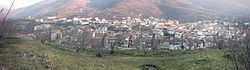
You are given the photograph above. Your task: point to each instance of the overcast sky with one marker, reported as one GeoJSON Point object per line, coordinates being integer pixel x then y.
{"type": "Point", "coordinates": [18, 3]}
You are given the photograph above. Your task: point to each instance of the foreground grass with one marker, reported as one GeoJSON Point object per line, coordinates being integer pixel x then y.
{"type": "Point", "coordinates": [67, 59]}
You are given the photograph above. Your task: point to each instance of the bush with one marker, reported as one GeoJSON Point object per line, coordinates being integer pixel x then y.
{"type": "Point", "coordinates": [202, 61]}
{"type": "Point", "coordinates": [13, 40]}
{"type": "Point", "coordinates": [150, 67]}
{"type": "Point", "coordinates": [228, 57]}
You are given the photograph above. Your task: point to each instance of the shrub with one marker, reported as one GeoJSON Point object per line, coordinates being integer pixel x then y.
{"type": "Point", "coordinates": [150, 67]}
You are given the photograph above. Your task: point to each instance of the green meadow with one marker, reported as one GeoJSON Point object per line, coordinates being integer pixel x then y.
{"type": "Point", "coordinates": [13, 49]}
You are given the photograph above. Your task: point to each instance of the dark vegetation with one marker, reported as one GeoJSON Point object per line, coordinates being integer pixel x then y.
{"type": "Point", "coordinates": [102, 4]}
{"type": "Point", "coordinates": [150, 67]}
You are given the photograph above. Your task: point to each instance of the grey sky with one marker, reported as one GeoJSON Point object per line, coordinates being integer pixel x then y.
{"type": "Point", "coordinates": [19, 3]}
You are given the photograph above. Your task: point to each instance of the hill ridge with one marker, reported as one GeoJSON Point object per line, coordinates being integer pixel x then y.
{"type": "Point", "coordinates": [135, 8]}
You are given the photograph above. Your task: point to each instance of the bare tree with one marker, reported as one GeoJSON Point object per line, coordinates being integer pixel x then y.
{"type": "Point", "coordinates": [43, 35]}
{"type": "Point", "coordinates": [99, 54]}
{"type": "Point", "coordinates": [112, 48]}
{"type": "Point", "coordinates": [142, 44]}
{"type": "Point", "coordinates": [130, 41]}
{"type": "Point", "coordinates": [119, 41]}
{"type": "Point", "coordinates": [113, 42]}
{"type": "Point", "coordinates": [154, 43]}
{"type": "Point", "coordinates": [84, 40]}
{"type": "Point", "coordinates": [3, 22]}
{"type": "Point", "coordinates": [75, 39]}
{"type": "Point", "coordinates": [236, 49]}
{"type": "Point", "coordinates": [1, 11]}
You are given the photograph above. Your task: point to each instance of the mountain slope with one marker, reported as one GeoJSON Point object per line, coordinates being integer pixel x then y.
{"type": "Point", "coordinates": [53, 7]}
{"type": "Point", "coordinates": [136, 8]}
{"type": "Point", "coordinates": [233, 7]}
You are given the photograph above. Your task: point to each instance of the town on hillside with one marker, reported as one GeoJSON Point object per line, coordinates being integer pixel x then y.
{"type": "Point", "coordinates": [130, 33]}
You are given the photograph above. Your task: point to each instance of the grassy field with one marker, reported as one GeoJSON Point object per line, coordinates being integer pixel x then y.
{"type": "Point", "coordinates": [12, 50]}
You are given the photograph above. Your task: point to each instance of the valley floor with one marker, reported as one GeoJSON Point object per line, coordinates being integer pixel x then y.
{"type": "Point", "coordinates": [22, 54]}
